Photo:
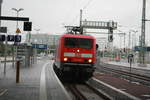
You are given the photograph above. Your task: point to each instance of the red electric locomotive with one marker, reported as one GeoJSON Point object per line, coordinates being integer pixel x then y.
{"type": "Point", "coordinates": [75, 57]}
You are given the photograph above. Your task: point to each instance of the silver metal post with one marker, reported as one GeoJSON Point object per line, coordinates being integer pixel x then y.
{"type": "Point", "coordinates": [5, 53]}
{"type": "Point", "coordinates": [124, 40]}
{"type": "Point", "coordinates": [142, 52]}
{"type": "Point", "coordinates": [13, 58]}
{"type": "Point", "coordinates": [130, 69]}
{"type": "Point", "coordinates": [80, 17]}
{"type": "Point", "coordinates": [129, 40]}
{"type": "Point", "coordinates": [81, 28]}
{"type": "Point", "coordinates": [1, 1]}
{"type": "Point", "coordinates": [15, 48]}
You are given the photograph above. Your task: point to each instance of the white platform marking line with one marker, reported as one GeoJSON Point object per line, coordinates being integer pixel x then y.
{"type": "Point", "coordinates": [3, 92]}
{"type": "Point", "coordinates": [43, 91]}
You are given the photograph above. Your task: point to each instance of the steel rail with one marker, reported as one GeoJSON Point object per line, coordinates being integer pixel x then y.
{"type": "Point", "coordinates": [80, 96]}
{"type": "Point", "coordinates": [99, 93]}
{"type": "Point", "coordinates": [142, 77]}
{"type": "Point", "coordinates": [76, 92]}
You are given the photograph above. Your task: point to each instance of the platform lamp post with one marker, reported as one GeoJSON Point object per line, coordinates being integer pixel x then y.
{"type": "Point", "coordinates": [37, 31]}
{"type": "Point", "coordinates": [135, 31]}
{"type": "Point", "coordinates": [1, 1]}
{"type": "Point", "coordinates": [122, 34]}
{"type": "Point", "coordinates": [17, 28]}
{"type": "Point", "coordinates": [36, 52]}
{"type": "Point", "coordinates": [17, 10]}
{"type": "Point", "coordinates": [131, 46]}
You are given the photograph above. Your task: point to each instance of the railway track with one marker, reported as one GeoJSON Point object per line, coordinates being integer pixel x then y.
{"type": "Point", "coordinates": [129, 74]}
{"type": "Point", "coordinates": [85, 92]}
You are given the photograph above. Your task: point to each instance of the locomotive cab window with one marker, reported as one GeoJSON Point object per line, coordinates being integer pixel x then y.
{"type": "Point", "coordinates": [78, 43]}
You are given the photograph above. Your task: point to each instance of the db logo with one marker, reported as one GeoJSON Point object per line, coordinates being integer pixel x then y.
{"type": "Point", "coordinates": [78, 55]}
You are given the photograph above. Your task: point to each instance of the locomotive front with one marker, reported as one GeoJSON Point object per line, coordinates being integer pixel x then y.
{"type": "Point", "coordinates": [77, 56]}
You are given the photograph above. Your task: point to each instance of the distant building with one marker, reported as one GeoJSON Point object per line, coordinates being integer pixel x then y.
{"type": "Point", "coordinates": [147, 52]}
{"type": "Point", "coordinates": [42, 39]}
{"type": "Point", "coordinates": [102, 42]}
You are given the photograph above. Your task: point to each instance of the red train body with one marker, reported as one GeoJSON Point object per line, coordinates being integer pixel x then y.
{"type": "Point", "coordinates": [75, 56]}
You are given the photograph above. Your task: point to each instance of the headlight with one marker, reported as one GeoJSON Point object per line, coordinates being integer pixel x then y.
{"type": "Point", "coordinates": [90, 60]}
{"type": "Point", "coordinates": [65, 59]}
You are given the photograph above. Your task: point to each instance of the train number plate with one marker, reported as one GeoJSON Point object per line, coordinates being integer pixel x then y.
{"type": "Point", "coordinates": [77, 60]}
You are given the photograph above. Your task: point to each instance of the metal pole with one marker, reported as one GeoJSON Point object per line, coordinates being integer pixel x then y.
{"type": "Point", "coordinates": [81, 28]}
{"type": "Point", "coordinates": [133, 41]}
{"type": "Point", "coordinates": [124, 40]}
{"type": "Point", "coordinates": [54, 44]}
{"type": "Point", "coordinates": [15, 51]}
{"type": "Point", "coordinates": [36, 53]}
{"type": "Point", "coordinates": [29, 56]}
{"type": "Point", "coordinates": [143, 33]}
{"type": "Point", "coordinates": [1, 1]}
{"type": "Point", "coordinates": [125, 45]}
{"type": "Point", "coordinates": [120, 41]}
{"type": "Point", "coordinates": [103, 48]}
{"type": "Point", "coordinates": [29, 37]}
{"type": "Point", "coordinates": [16, 47]}
{"type": "Point", "coordinates": [13, 58]}
{"type": "Point", "coordinates": [18, 72]}
{"type": "Point", "coordinates": [130, 68]}
{"type": "Point", "coordinates": [80, 17]}
{"type": "Point", "coordinates": [26, 56]}
{"type": "Point", "coordinates": [0, 20]}
{"type": "Point", "coordinates": [5, 53]}
{"type": "Point", "coordinates": [129, 41]}
{"type": "Point", "coordinates": [17, 19]}
{"type": "Point", "coordinates": [120, 47]}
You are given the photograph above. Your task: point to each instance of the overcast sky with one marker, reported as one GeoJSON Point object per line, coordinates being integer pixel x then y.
{"type": "Point", "coordinates": [51, 15]}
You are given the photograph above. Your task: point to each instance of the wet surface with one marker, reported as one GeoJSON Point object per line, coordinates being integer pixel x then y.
{"type": "Point", "coordinates": [136, 90]}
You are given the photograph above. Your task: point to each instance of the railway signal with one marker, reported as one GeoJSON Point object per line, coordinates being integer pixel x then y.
{"type": "Point", "coordinates": [110, 38]}
{"type": "Point", "coordinates": [3, 29]}
{"type": "Point", "coordinates": [10, 38]}
{"type": "Point", "coordinates": [27, 26]}
{"type": "Point", "coordinates": [2, 38]}
{"type": "Point", "coordinates": [110, 35]}
{"type": "Point", "coordinates": [17, 38]}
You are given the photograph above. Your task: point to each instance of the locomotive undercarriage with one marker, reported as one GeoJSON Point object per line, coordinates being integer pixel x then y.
{"type": "Point", "coordinates": [74, 73]}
